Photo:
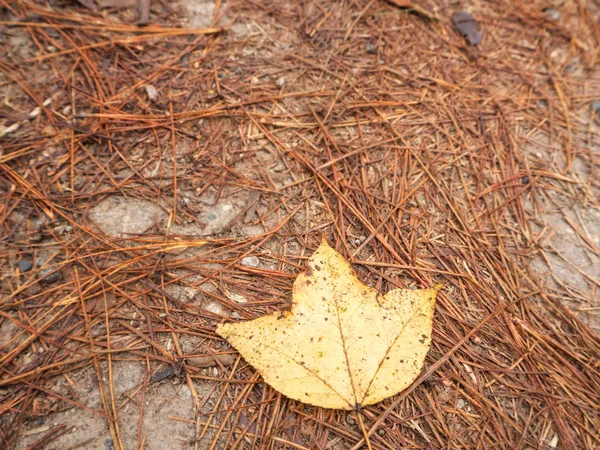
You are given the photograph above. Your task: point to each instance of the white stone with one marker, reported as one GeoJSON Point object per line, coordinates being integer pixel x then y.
{"type": "Point", "coordinates": [250, 261]}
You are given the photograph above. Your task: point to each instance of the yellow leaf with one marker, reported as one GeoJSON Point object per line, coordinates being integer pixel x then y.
{"type": "Point", "coordinates": [343, 345]}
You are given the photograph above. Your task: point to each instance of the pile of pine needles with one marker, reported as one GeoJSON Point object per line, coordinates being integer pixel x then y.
{"type": "Point", "coordinates": [422, 158]}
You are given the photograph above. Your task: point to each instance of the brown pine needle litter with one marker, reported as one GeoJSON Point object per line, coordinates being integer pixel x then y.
{"type": "Point", "coordinates": [156, 181]}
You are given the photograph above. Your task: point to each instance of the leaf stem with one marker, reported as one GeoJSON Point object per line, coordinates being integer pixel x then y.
{"type": "Point", "coordinates": [363, 429]}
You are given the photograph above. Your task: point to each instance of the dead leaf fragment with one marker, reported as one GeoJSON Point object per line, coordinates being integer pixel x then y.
{"type": "Point", "coordinates": [209, 361]}
{"type": "Point", "coordinates": [343, 345]}
{"type": "Point", "coordinates": [468, 27]}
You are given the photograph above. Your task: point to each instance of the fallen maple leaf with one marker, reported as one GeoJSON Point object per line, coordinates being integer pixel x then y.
{"type": "Point", "coordinates": [343, 345]}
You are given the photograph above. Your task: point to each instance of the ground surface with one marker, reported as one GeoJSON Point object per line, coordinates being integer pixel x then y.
{"type": "Point", "coordinates": [157, 180]}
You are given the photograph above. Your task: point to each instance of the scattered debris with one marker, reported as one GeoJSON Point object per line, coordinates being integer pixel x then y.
{"type": "Point", "coordinates": [468, 27]}
{"type": "Point", "coordinates": [167, 371]}
{"type": "Point", "coordinates": [151, 91]}
{"type": "Point", "coordinates": [236, 297]}
{"type": "Point", "coordinates": [5, 131]}
{"type": "Point", "coordinates": [226, 359]}
{"type": "Point", "coordinates": [7, 331]}
{"type": "Point", "coordinates": [215, 308]}
{"type": "Point", "coordinates": [551, 13]}
{"type": "Point", "coordinates": [49, 275]}
{"type": "Point", "coordinates": [220, 217]}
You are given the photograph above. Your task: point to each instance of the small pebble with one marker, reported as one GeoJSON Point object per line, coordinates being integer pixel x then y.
{"type": "Point", "coordinates": [371, 48]}
{"type": "Point", "coordinates": [460, 403]}
{"type": "Point", "coordinates": [24, 265]}
{"type": "Point", "coordinates": [250, 261]}
{"type": "Point", "coordinates": [238, 71]}
{"type": "Point", "coordinates": [350, 420]}
{"type": "Point", "coordinates": [381, 432]}
{"type": "Point", "coordinates": [552, 13]}
{"type": "Point", "coordinates": [215, 308]}
{"type": "Point", "coordinates": [595, 105]}
{"type": "Point", "coordinates": [254, 81]}
{"type": "Point", "coordinates": [280, 82]}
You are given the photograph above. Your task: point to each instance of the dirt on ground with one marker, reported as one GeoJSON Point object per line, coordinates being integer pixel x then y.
{"type": "Point", "coordinates": [158, 179]}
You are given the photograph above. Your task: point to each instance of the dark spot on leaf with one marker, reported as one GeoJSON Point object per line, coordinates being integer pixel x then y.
{"type": "Point", "coordinates": [317, 267]}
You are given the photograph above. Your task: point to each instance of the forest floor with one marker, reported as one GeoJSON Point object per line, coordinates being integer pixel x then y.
{"type": "Point", "coordinates": [157, 180]}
